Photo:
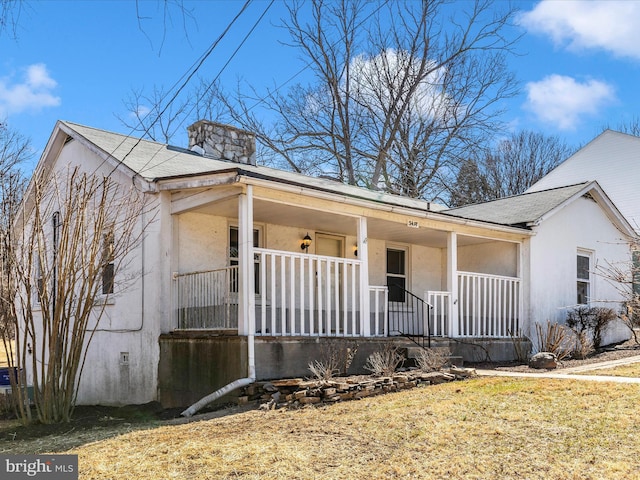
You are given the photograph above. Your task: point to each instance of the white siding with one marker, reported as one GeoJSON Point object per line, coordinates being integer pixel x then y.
{"type": "Point", "coordinates": [613, 160]}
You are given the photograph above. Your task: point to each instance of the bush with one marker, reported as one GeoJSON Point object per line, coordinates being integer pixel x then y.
{"type": "Point", "coordinates": [385, 362]}
{"type": "Point", "coordinates": [554, 338]}
{"type": "Point", "coordinates": [336, 358]}
{"type": "Point", "coordinates": [591, 321]}
{"type": "Point", "coordinates": [432, 360]}
{"type": "Point", "coordinates": [583, 346]}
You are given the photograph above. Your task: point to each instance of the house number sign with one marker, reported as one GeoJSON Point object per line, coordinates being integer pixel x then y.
{"type": "Point", "coordinates": [412, 224]}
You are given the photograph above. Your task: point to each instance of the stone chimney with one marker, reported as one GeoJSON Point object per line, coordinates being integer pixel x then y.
{"type": "Point", "coordinates": [222, 142]}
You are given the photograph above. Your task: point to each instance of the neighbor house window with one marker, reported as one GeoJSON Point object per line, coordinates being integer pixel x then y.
{"type": "Point", "coordinates": [233, 257]}
{"type": "Point", "coordinates": [635, 272]}
{"type": "Point", "coordinates": [38, 277]}
{"type": "Point", "coordinates": [108, 269]}
{"type": "Point", "coordinates": [396, 274]}
{"type": "Point", "coordinates": [583, 278]}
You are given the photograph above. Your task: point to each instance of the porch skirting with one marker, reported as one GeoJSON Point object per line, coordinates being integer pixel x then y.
{"type": "Point", "coordinates": [196, 363]}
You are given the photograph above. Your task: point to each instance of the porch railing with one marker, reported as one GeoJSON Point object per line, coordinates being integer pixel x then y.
{"type": "Point", "coordinates": [409, 316]}
{"type": "Point", "coordinates": [441, 306]}
{"type": "Point", "coordinates": [487, 306]}
{"type": "Point", "coordinates": [313, 295]}
{"type": "Point", "coordinates": [206, 299]}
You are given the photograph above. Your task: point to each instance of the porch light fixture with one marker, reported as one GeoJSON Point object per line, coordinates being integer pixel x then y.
{"type": "Point", "coordinates": [306, 242]}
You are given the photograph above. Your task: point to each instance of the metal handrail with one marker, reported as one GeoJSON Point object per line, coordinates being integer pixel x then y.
{"type": "Point", "coordinates": [409, 316]}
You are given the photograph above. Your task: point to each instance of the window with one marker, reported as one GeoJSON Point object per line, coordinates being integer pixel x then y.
{"type": "Point", "coordinates": [56, 224]}
{"type": "Point", "coordinates": [583, 278]}
{"type": "Point", "coordinates": [396, 274]}
{"type": "Point", "coordinates": [635, 272]}
{"type": "Point", "coordinates": [38, 277]}
{"type": "Point", "coordinates": [108, 269]}
{"type": "Point", "coordinates": [233, 257]}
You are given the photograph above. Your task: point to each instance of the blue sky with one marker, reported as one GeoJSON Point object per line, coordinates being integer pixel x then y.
{"type": "Point", "coordinates": [79, 60]}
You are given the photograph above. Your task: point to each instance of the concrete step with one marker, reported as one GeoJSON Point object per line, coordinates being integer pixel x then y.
{"type": "Point", "coordinates": [455, 360]}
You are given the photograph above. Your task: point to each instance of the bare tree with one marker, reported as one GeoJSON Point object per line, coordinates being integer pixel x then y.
{"type": "Point", "coordinates": [15, 150]}
{"type": "Point", "coordinates": [73, 238]}
{"type": "Point", "coordinates": [515, 164]}
{"type": "Point", "coordinates": [625, 277]}
{"type": "Point", "coordinates": [10, 11]}
{"type": "Point", "coordinates": [632, 127]}
{"type": "Point", "coordinates": [402, 92]}
{"type": "Point", "coordinates": [148, 116]}
{"type": "Point", "coordinates": [522, 159]}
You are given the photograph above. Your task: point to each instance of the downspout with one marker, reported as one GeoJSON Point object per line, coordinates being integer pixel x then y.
{"type": "Point", "coordinates": [241, 382]}
{"type": "Point", "coordinates": [248, 308]}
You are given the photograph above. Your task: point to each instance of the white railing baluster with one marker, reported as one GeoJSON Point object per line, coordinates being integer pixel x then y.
{"type": "Point", "coordinates": [489, 305]}
{"type": "Point", "coordinates": [298, 294]}
{"type": "Point", "coordinates": [202, 300]}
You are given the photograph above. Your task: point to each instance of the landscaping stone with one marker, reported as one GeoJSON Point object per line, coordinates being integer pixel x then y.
{"type": "Point", "coordinates": [296, 392]}
{"type": "Point", "coordinates": [544, 360]}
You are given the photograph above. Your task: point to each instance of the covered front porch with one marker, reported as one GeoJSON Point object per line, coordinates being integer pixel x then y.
{"type": "Point", "coordinates": [241, 268]}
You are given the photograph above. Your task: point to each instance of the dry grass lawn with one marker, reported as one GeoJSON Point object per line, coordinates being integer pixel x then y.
{"type": "Point", "coordinates": [632, 370]}
{"type": "Point", "coordinates": [486, 428]}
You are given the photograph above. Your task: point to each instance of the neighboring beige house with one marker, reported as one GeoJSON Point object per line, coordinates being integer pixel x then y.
{"type": "Point", "coordinates": [246, 270]}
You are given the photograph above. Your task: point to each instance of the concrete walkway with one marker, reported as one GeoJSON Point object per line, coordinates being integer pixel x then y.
{"type": "Point", "coordinates": [567, 372]}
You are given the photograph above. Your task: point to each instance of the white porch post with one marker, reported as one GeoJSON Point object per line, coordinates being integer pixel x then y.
{"type": "Point", "coordinates": [167, 249]}
{"type": "Point", "coordinates": [523, 292]}
{"type": "Point", "coordinates": [452, 281]}
{"type": "Point", "coordinates": [363, 254]}
{"type": "Point", "coordinates": [246, 293]}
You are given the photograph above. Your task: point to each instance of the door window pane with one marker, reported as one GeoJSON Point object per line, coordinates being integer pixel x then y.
{"type": "Point", "coordinates": [396, 278]}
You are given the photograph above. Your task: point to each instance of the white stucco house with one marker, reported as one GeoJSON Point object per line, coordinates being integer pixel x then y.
{"type": "Point", "coordinates": [245, 269]}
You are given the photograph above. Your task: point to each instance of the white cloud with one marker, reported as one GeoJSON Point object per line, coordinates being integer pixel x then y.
{"type": "Point", "coordinates": [375, 80]}
{"type": "Point", "coordinates": [31, 93]}
{"type": "Point", "coordinates": [561, 101]}
{"type": "Point", "coordinates": [587, 24]}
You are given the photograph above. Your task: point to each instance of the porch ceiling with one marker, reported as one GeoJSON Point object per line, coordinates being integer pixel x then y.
{"type": "Point", "coordinates": [328, 222]}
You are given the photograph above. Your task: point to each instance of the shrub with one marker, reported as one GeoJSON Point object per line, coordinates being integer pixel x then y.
{"type": "Point", "coordinates": [336, 358]}
{"type": "Point", "coordinates": [591, 321]}
{"type": "Point", "coordinates": [384, 362]}
{"type": "Point", "coordinates": [583, 346]}
{"type": "Point", "coordinates": [432, 360]}
{"type": "Point", "coordinates": [521, 346]}
{"type": "Point", "coordinates": [322, 370]}
{"type": "Point", "coordinates": [554, 338]}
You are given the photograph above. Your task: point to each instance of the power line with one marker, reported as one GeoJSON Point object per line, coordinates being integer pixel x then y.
{"type": "Point", "coordinates": [189, 74]}
{"type": "Point", "coordinates": [180, 124]}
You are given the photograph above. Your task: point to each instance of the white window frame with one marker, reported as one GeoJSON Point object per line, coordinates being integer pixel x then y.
{"type": "Point", "coordinates": [406, 275]}
{"type": "Point", "coordinates": [261, 241]}
{"type": "Point", "coordinates": [588, 254]}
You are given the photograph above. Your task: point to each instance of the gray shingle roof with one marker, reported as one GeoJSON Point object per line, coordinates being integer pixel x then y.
{"type": "Point", "coordinates": [519, 210]}
{"type": "Point", "coordinates": [157, 161]}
